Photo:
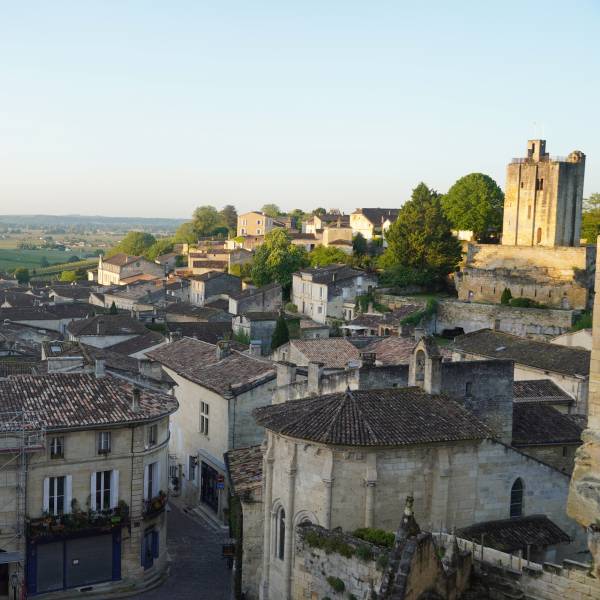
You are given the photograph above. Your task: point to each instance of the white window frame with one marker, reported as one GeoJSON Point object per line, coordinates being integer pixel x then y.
{"type": "Point", "coordinates": [55, 444]}
{"type": "Point", "coordinates": [113, 493]}
{"type": "Point", "coordinates": [50, 490]}
{"type": "Point", "coordinates": [153, 434]}
{"type": "Point", "coordinates": [151, 480]}
{"type": "Point", "coordinates": [204, 417]}
{"type": "Point", "coordinates": [104, 442]}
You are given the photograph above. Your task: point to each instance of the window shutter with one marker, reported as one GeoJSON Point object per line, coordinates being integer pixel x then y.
{"type": "Point", "coordinates": [114, 488]}
{"type": "Point", "coordinates": [146, 482]}
{"type": "Point", "coordinates": [68, 494]}
{"type": "Point", "coordinates": [46, 501]}
{"type": "Point", "coordinates": [93, 492]}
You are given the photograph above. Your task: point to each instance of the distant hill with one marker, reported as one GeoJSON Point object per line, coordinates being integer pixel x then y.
{"type": "Point", "coordinates": [91, 222]}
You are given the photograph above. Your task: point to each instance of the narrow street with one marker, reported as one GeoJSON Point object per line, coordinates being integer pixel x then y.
{"type": "Point", "coordinates": [197, 570]}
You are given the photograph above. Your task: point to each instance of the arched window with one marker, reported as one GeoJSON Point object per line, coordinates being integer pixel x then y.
{"type": "Point", "coordinates": [280, 534]}
{"type": "Point", "coordinates": [516, 499]}
{"type": "Point", "coordinates": [420, 366]}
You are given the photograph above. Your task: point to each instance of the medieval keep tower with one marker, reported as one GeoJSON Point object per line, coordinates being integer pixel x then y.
{"type": "Point", "coordinates": [543, 199]}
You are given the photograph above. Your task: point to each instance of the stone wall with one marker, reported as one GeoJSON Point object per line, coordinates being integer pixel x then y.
{"type": "Point", "coordinates": [534, 323]}
{"type": "Point", "coordinates": [558, 277]}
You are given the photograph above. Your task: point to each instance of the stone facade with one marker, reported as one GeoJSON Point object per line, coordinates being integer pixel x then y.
{"type": "Point", "coordinates": [212, 286]}
{"type": "Point", "coordinates": [254, 223]}
{"type": "Point", "coordinates": [534, 323]}
{"type": "Point", "coordinates": [263, 299]}
{"type": "Point", "coordinates": [543, 199]}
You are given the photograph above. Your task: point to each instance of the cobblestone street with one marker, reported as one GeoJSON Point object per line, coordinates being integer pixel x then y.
{"type": "Point", "coordinates": [197, 570]}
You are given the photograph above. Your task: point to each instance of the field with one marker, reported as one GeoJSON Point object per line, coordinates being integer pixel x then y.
{"type": "Point", "coordinates": [10, 259]}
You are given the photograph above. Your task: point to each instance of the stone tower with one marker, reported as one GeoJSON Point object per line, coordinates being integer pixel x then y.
{"type": "Point", "coordinates": [584, 495]}
{"type": "Point", "coordinates": [542, 205]}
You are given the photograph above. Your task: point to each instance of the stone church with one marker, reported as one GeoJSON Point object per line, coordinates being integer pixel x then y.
{"type": "Point", "coordinates": [540, 256]}
{"type": "Point", "coordinates": [346, 459]}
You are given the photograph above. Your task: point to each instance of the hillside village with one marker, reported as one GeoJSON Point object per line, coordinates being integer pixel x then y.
{"type": "Point", "coordinates": [393, 403]}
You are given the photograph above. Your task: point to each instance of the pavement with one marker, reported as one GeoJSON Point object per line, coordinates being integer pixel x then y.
{"type": "Point", "coordinates": [197, 571]}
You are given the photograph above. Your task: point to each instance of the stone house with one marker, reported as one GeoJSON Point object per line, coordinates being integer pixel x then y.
{"type": "Point", "coordinates": [217, 388]}
{"type": "Point", "coordinates": [69, 293]}
{"type": "Point", "coordinates": [330, 353]}
{"type": "Point", "coordinates": [167, 261]}
{"type": "Point", "coordinates": [318, 223]}
{"type": "Point", "coordinates": [107, 457]}
{"type": "Point", "coordinates": [53, 318]}
{"type": "Point", "coordinates": [581, 338]}
{"type": "Point", "coordinates": [256, 327]}
{"type": "Point", "coordinates": [121, 267]}
{"type": "Point", "coordinates": [323, 293]}
{"type": "Point", "coordinates": [254, 223]}
{"type": "Point", "coordinates": [213, 285]}
{"type": "Point", "coordinates": [103, 331]}
{"type": "Point", "coordinates": [204, 261]}
{"type": "Point", "coordinates": [567, 367]}
{"type": "Point", "coordinates": [310, 329]}
{"type": "Point", "coordinates": [371, 222]}
{"type": "Point", "coordinates": [267, 298]}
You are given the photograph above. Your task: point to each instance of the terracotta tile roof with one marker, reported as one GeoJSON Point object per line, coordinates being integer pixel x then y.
{"type": "Point", "coordinates": [219, 304]}
{"type": "Point", "coordinates": [81, 400]}
{"type": "Point", "coordinates": [387, 417]}
{"type": "Point", "coordinates": [74, 292]}
{"type": "Point", "coordinates": [244, 466]}
{"type": "Point", "coordinates": [509, 535]}
{"type": "Point", "coordinates": [540, 355]}
{"type": "Point", "coordinates": [396, 350]}
{"type": "Point", "coordinates": [197, 361]}
{"type": "Point", "coordinates": [206, 331]}
{"type": "Point", "coordinates": [540, 424]}
{"type": "Point", "coordinates": [249, 292]}
{"type": "Point", "coordinates": [209, 264]}
{"type": "Point", "coordinates": [334, 353]}
{"type": "Point", "coordinates": [139, 277]}
{"type": "Point", "coordinates": [196, 313]}
{"type": "Point", "coordinates": [75, 310]}
{"type": "Point", "coordinates": [138, 343]}
{"type": "Point", "coordinates": [261, 316]}
{"type": "Point", "coordinates": [332, 273]}
{"type": "Point", "coordinates": [107, 325]}
{"type": "Point", "coordinates": [540, 390]}
{"type": "Point", "coordinates": [121, 259]}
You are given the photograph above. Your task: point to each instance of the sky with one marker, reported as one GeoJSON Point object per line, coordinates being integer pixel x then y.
{"type": "Point", "coordinates": [147, 108]}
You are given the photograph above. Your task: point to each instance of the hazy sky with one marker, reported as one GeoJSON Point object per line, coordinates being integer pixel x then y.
{"type": "Point", "coordinates": [151, 108]}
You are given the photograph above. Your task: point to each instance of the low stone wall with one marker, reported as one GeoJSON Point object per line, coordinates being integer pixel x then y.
{"type": "Point", "coordinates": [534, 323]}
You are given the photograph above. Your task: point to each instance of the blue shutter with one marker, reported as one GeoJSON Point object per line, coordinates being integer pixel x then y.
{"type": "Point", "coordinates": [155, 543]}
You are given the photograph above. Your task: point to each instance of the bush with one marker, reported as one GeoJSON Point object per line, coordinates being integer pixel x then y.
{"type": "Point", "coordinates": [525, 303]}
{"type": "Point", "coordinates": [584, 321]}
{"type": "Point", "coordinates": [506, 296]}
{"type": "Point", "coordinates": [291, 307]}
{"type": "Point", "coordinates": [416, 318]}
{"type": "Point", "coordinates": [336, 583]}
{"type": "Point", "coordinates": [379, 537]}
{"type": "Point", "coordinates": [364, 553]}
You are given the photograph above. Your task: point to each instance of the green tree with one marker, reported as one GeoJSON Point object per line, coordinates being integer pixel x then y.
{"type": "Point", "coordinates": [68, 276]}
{"type": "Point", "coordinates": [359, 244]}
{"type": "Point", "coordinates": [322, 256]}
{"type": "Point", "coordinates": [229, 218]}
{"type": "Point", "coordinates": [319, 211]}
{"type": "Point", "coordinates": [160, 247]}
{"type": "Point", "coordinates": [185, 234]}
{"type": "Point", "coordinates": [474, 203]}
{"type": "Point", "coordinates": [136, 243]}
{"type": "Point", "coordinates": [297, 217]}
{"type": "Point", "coordinates": [206, 219]}
{"type": "Point", "coordinates": [590, 220]}
{"type": "Point", "coordinates": [22, 275]}
{"type": "Point", "coordinates": [44, 262]}
{"type": "Point", "coordinates": [281, 335]}
{"type": "Point", "coordinates": [113, 309]}
{"type": "Point", "coordinates": [276, 260]}
{"type": "Point", "coordinates": [420, 240]}
{"type": "Point", "coordinates": [506, 296]}
{"type": "Point", "coordinates": [272, 210]}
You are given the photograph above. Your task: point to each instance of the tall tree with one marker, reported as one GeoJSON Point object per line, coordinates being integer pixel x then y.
{"type": "Point", "coordinates": [276, 260]}
{"type": "Point", "coordinates": [22, 275]}
{"type": "Point", "coordinates": [319, 211]}
{"type": "Point", "coordinates": [206, 219]}
{"type": "Point", "coordinates": [162, 246]}
{"type": "Point", "coordinates": [590, 220]}
{"type": "Point", "coordinates": [229, 216]}
{"type": "Point", "coordinates": [474, 203]}
{"type": "Point", "coordinates": [272, 210]}
{"type": "Point", "coordinates": [359, 244]}
{"type": "Point", "coordinates": [322, 256]}
{"type": "Point", "coordinates": [185, 234]}
{"type": "Point", "coordinates": [298, 216]}
{"type": "Point", "coordinates": [136, 243]}
{"type": "Point", "coordinates": [420, 241]}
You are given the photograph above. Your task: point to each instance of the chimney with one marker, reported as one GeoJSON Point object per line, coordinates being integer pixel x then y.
{"type": "Point", "coordinates": [255, 348]}
{"type": "Point", "coordinates": [99, 368]}
{"type": "Point", "coordinates": [223, 349]}
{"type": "Point", "coordinates": [286, 373]}
{"type": "Point", "coordinates": [150, 369]}
{"type": "Point", "coordinates": [368, 359]}
{"type": "Point", "coordinates": [174, 336]}
{"type": "Point", "coordinates": [135, 399]}
{"type": "Point", "coordinates": [315, 372]}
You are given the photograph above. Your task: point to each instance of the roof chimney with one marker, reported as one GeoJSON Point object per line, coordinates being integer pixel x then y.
{"type": "Point", "coordinates": [368, 359]}
{"type": "Point", "coordinates": [223, 349]}
{"type": "Point", "coordinates": [255, 347]}
{"type": "Point", "coordinates": [99, 369]}
{"type": "Point", "coordinates": [135, 399]}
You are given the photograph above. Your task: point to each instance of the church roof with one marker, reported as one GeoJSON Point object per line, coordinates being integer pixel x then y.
{"type": "Point", "coordinates": [536, 423]}
{"type": "Point", "coordinates": [385, 417]}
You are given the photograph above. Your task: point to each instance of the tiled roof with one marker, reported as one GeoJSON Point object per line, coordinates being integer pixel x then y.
{"type": "Point", "coordinates": [310, 324]}
{"type": "Point", "coordinates": [73, 310]}
{"type": "Point", "coordinates": [81, 400]}
{"type": "Point", "coordinates": [71, 291]}
{"type": "Point", "coordinates": [219, 304]}
{"type": "Point", "coordinates": [378, 215]}
{"type": "Point", "coordinates": [509, 535]}
{"type": "Point", "coordinates": [209, 264]}
{"type": "Point", "coordinates": [17, 299]}
{"type": "Point", "coordinates": [540, 390]}
{"type": "Point", "coordinates": [121, 259]}
{"type": "Point", "coordinates": [249, 292]}
{"type": "Point", "coordinates": [540, 424]}
{"type": "Point", "coordinates": [191, 310]}
{"type": "Point", "coordinates": [107, 325]}
{"type": "Point", "coordinates": [197, 361]}
{"type": "Point", "coordinates": [332, 273]}
{"type": "Point", "coordinates": [261, 316]}
{"type": "Point", "coordinates": [138, 343]}
{"type": "Point", "coordinates": [387, 417]}
{"type": "Point", "coordinates": [244, 466]}
{"type": "Point", "coordinates": [210, 332]}
{"type": "Point", "coordinates": [334, 353]}
{"type": "Point", "coordinates": [540, 355]}
{"type": "Point", "coordinates": [395, 350]}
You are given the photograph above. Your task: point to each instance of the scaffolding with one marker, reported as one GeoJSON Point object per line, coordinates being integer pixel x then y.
{"type": "Point", "coordinates": [21, 433]}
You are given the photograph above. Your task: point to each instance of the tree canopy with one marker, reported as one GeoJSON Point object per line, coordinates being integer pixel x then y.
{"type": "Point", "coordinates": [359, 244]}
{"type": "Point", "coordinates": [271, 210]}
{"type": "Point", "coordinates": [590, 220]}
{"type": "Point", "coordinates": [205, 220]}
{"type": "Point", "coordinates": [22, 275]}
{"type": "Point", "coordinates": [229, 218]}
{"type": "Point", "coordinates": [277, 259]}
{"type": "Point", "coordinates": [136, 243]}
{"type": "Point", "coordinates": [420, 241]}
{"type": "Point", "coordinates": [185, 234]}
{"type": "Point", "coordinates": [322, 256]}
{"type": "Point", "coordinates": [162, 246]}
{"type": "Point", "coordinates": [474, 203]}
